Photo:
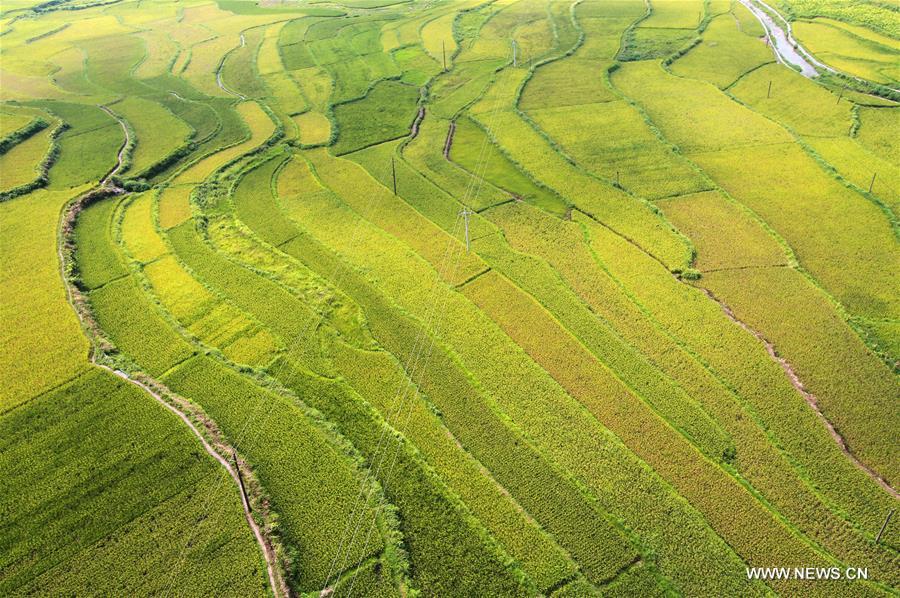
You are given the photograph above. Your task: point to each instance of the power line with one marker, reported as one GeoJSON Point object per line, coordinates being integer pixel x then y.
{"type": "Point", "coordinates": [465, 213]}
{"type": "Point", "coordinates": [475, 185]}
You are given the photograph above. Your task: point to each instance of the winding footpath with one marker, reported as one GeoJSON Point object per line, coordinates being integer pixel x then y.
{"type": "Point", "coordinates": [221, 83]}
{"type": "Point", "coordinates": [120, 157]}
{"type": "Point", "coordinates": [266, 547]}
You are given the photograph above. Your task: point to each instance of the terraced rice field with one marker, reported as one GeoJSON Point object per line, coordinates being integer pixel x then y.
{"type": "Point", "coordinates": [451, 298]}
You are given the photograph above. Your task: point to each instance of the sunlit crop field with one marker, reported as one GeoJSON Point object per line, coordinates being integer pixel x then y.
{"type": "Point", "coordinates": [449, 298]}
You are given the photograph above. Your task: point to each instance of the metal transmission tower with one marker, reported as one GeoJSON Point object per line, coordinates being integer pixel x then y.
{"type": "Point", "coordinates": [514, 53]}
{"type": "Point", "coordinates": [465, 213]}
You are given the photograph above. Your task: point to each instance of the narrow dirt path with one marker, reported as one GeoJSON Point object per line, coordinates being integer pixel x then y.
{"type": "Point", "coordinates": [221, 83]}
{"type": "Point", "coordinates": [267, 549]}
{"type": "Point", "coordinates": [810, 398]}
{"type": "Point", "coordinates": [120, 157]}
{"type": "Point", "coordinates": [79, 303]}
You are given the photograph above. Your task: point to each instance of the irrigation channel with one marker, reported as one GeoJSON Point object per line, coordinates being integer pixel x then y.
{"type": "Point", "coordinates": [787, 50]}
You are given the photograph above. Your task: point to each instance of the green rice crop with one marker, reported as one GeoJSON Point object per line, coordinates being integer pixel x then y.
{"type": "Point", "coordinates": [351, 52]}
{"type": "Point", "coordinates": [715, 122]}
{"type": "Point", "coordinates": [286, 93]}
{"type": "Point", "coordinates": [724, 235]}
{"type": "Point", "coordinates": [602, 32]}
{"type": "Point", "coordinates": [88, 148]}
{"type": "Point", "coordinates": [385, 113]}
{"type": "Point", "coordinates": [12, 121]}
{"type": "Point", "coordinates": [204, 63]}
{"type": "Point", "coordinates": [876, 132]}
{"type": "Point", "coordinates": [21, 164]}
{"type": "Point", "coordinates": [156, 131]}
{"type": "Point", "coordinates": [202, 117]}
{"type": "Point", "coordinates": [424, 154]}
{"type": "Point", "coordinates": [803, 325]}
{"type": "Point", "coordinates": [244, 287]}
{"type": "Point", "coordinates": [356, 187]}
{"type": "Point", "coordinates": [417, 66]}
{"type": "Point", "coordinates": [217, 123]}
{"type": "Point", "coordinates": [674, 14]}
{"type": "Point", "coordinates": [295, 55]}
{"type": "Point", "coordinates": [119, 529]}
{"type": "Point", "coordinates": [37, 357]}
{"type": "Point", "coordinates": [139, 235]}
{"type": "Point", "coordinates": [724, 53]}
{"type": "Point", "coordinates": [241, 7]}
{"type": "Point", "coordinates": [239, 71]}
{"type": "Point", "coordinates": [861, 167]}
{"type": "Point", "coordinates": [161, 51]}
{"type": "Point", "coordinates": [795, 101]}
{"type": "Point", "coordinates": [109, 61]}
{"type": "Point", "coordinates": [473, 151]}
{"type": "Point", "coordinates": [315, 84]}
{"type": "Point", "coordinates": [583, 80]}
{"type": "Point", "coordinates": [260, 127]}
{"type": "Point", "coordinates": [97, 264]}
{"type": "Point", "coordinates": [247, 250]}
{"type": "Point", "coordinates": [136, 329]}
{"type": "Point", "coordinates": [642, 378]}
{"type": "Point", "coordinates": [852, 49]}
{"type": "Point", "coordinates": [821, 219]}
{"type": "Point", "coordinates": [463, 85]}
{"type": "Point", "coordinates": [872, 15]}
{"type": "Point", "coordinates": [645, 43]}
{"type": "Point", "coordinates": [637, 161]}
{"type": "Point", "coordinates": [747, 22]}
{"type": "Point", "coordinates": [22, 133]}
